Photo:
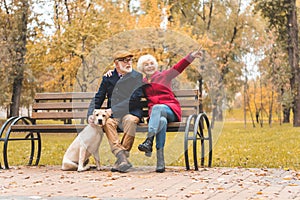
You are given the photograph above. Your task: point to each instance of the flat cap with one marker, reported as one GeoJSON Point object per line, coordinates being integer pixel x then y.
{"type": "Point", "coordinates": [122, 54]}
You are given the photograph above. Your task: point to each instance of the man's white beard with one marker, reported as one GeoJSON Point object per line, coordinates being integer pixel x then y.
{"type": "Point", "coordinates": [125, 69]}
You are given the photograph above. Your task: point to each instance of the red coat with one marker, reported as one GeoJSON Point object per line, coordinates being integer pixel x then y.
{"type": "Point", "coordinates": [158, 87]}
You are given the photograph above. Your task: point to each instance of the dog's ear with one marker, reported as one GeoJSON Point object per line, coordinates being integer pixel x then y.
{"type": "Point", "coordinates": [96, 111]}
{"type": "Point", "coordinates": [106, 114]}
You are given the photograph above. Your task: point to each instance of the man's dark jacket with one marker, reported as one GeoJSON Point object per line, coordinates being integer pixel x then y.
{"type": "Point", "coordinates": [124, 94]}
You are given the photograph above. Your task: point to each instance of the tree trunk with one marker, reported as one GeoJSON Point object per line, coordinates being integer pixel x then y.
{"type": "Point", "coordinates": [16, 96]}
{"type": "Point", "coordinates": [271, 108]}
{"type": "Point", "coordinates": [286, 115]}
{"type": "Point", "coordinates": [19, 64]}
{"type": "Point", "coordinates": [293, 49]}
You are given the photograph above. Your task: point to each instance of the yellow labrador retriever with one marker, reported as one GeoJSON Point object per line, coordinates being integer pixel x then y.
{"type": "Point", "coordinates": [86, 144]}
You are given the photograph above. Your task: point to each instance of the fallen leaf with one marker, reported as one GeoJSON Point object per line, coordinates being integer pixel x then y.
{"type": "Point", "coordinates": [115, 177]}
{"type": "Point", "coordinates": [182, 188]}
{"type": "Point", "coordinates": [162, 195]}
{"type": "Point", "coordinates": [293, 184]}
{"type": "Point", "coordinates": [261, 174]}
{"type": "Point", "coordinates": [287, 178]}
{"type": "Point", "coordinates": [197, 192]}
{"type": "Point", "coordinates": [107, 184]}
{"type": "Point", "coordinates": [35, 182]}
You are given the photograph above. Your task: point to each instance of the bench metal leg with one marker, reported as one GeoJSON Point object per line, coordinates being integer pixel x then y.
{"type": "Point", "coordinates": [39, 147]}
{"type": "Point", "coordinates": [5, 125]}
{"type": "Point", "coordinates": [30, 136]}
{"type": "Point", "coordinates": [5, 155]}
{"type": "Point", "coordinates": [39, 150]}
{"type": "Point", "coordinates": [208, 137]}
{"type": "Point", "coordinates": [197, 128]}
{"type": "Point", "coordinates": [201, 124]}
{"type": "Point", "coordinates": [2, 138]}
{"type": "Point", "coordinates": [189, 126]}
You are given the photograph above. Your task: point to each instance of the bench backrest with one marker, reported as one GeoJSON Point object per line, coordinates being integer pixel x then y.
{"type": "Point", "coordinates": [74, 105]}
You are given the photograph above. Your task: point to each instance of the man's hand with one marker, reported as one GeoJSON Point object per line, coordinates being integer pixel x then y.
{"type": "Point", "coordinates": [108, 73]}
{"type": "Point", "coordinates": [91, 120]}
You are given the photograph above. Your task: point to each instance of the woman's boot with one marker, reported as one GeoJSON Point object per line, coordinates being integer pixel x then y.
{"type": "Point", "coordinates": [146, 146]}
{"type": "Point", "coordinates": [160, 166]}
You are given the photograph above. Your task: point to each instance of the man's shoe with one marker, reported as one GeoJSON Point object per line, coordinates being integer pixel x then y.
{"type": "Point", "coordinates": [122, 164]}
{"type": "Point", "coordinates": [127, 154]}
{"type": "Point", "coordinates": [114, 168]}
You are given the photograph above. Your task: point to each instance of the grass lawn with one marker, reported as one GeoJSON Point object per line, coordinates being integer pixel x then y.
{"type": "Point", "coordinates": [234, 146]}
{"type": "Point", "coordinates": [275, 147]}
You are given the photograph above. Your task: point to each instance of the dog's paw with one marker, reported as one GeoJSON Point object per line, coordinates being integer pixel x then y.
{"type": "Point", "coordinates": [82, 169]}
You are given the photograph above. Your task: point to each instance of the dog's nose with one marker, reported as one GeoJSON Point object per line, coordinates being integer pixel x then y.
{"type": "Point", "coordinates": [100, 121]}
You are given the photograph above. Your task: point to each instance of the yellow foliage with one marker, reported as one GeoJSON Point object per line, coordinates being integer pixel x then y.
{"type": "Point", "coordinates": [262, 98]}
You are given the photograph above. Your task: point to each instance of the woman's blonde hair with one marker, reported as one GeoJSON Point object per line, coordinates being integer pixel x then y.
{"type": "Point", "coordinates": [143, 59]}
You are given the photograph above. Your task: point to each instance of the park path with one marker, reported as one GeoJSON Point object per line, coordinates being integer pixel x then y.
{"type": "Point", "coordinates": [141, 182]}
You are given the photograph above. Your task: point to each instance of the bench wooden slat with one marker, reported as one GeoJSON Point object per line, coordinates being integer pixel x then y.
{"type": "Point", "coordinates": [64, 96]}
{"type": "Point", "coordinates": [82, 115]}
{"type": "Point", "coordinates": [60, 106]}
{"type": "Point", "coordinates": [186, 113]}
{"type": "Point", "coordinates": [49, 128]}
{"type": "Point", "coordinates": [85, 105]}
{"type": "Point", "coordinates": [59, 115]}
{"type": "Point", "coordinates": [89, 95]}
{"type": "Point", "coordinates": [73, 128]}
{"type": "Point", "coordinates": [185, 93]}
{"type": "Point", "coordinates": [188, 103]}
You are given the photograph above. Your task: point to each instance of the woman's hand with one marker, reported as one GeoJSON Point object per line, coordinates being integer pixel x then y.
{"type": "Point", "coordinates": [198, 53]}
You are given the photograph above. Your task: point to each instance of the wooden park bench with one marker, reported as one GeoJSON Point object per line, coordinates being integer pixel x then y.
{"type": "Point", "coordinates": [68, 112]}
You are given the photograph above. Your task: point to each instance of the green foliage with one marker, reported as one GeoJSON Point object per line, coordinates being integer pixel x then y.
{"type": "Point", "coordinates": [275, 11]}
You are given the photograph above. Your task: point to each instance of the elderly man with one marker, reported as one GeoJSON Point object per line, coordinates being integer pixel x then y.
{"type": "Point", "coordinates": [124, 107]}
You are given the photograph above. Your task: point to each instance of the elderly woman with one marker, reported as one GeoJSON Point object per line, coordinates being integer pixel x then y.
{"type": "Point", "coordinates": [163, 105]}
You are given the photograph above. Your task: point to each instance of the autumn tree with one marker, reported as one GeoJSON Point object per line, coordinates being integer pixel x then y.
{"type": "Point", "coordinates": [14, 21]}
{"type": "Point", "coordinates": [274, 69]}
{"type": "Point", "coordinates": [227, 27]}
{"type": "Point", "coordinates": [80, 26]}
{"type": "Point", "coordinates": [282, 16]}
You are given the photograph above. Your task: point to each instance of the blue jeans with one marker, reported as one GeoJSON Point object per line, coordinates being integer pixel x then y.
{"type": "Point", "coordinates": [160, 115]}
